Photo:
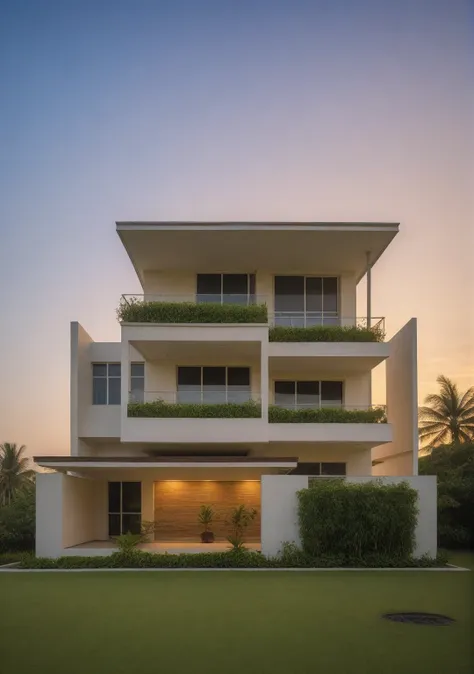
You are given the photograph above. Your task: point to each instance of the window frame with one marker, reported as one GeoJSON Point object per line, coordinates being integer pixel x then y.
{"type": "Point", "coordinates": [121, 512]}
{"type": "Point", "coordinates": [305, 312]}
{"type": "Point", "coordinates": [250, 295]}
{"type": "Point", "coordinates": [295, 382]}
{"type": "Point", "coordinates": [107, 378]}
{"type": "Point", "coordinates": [201, 384]}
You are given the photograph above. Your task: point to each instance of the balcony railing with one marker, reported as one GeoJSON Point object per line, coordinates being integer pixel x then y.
{"type": "Point", "coordinates": [192, 308]}
{"type": "Point", "coordinates": [202, 396]}
{"type": "Point", "coordinates": [283, 413]}
{"type": "Point", "coordinates": [321, 327]}
{"type": "Point", "coordinates": [228, 404]}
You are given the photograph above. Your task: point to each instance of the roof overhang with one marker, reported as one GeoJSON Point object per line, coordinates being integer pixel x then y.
{"type": "Point", "coordinates": [289, 247]}
{"type": "Point", "coordinates": [72, 463]}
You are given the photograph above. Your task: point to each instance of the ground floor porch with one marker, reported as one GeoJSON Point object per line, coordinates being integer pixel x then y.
{"type": "Point", "coordinates": [93, 548]}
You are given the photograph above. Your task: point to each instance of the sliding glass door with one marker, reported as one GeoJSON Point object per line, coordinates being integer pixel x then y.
{"type": "Point", "coordinates": [213, 384]}
{"type": "Point", "coordinates": [226, 288]}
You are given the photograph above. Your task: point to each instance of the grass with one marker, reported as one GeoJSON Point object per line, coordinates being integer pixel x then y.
{"type": "Point", "coordinates": [271, 623]}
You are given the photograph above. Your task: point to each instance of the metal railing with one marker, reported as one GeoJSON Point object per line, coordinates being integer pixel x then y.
{"type": "Point", "coordinates": [247, 299]}
{"type": "Point", "coordinates": [309, 319]}
{"type": "Point", "coordinates": [199, 396]}
{"type": "Point", "coordinates": [332, 405]}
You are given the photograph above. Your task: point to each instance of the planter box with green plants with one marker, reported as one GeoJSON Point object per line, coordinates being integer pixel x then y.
{"type": "Point", "coordinates": [325, 415]}
{"type": "Point", "coordinates": [139, 311]}
{"type": "Point", "coordinates": [164, 410]}
{"type": "Point", "coordinates": [325, 333]}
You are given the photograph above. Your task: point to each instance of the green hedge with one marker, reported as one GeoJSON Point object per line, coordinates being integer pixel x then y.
{"type": "Point", "coordinates": [161, 409]}
{"type": "Point", "coordinates": [224, 560]}
{"type": "Point", "coordinates": [325, 415]}
{"type": "Point", "coordinates": [325, 333]}
{"type": "Point", "coordinates": [357, 520]}
{"type": "Point", "coordinates": [18, 521]}
{"type": "Point", "coordinates": [137, 311]}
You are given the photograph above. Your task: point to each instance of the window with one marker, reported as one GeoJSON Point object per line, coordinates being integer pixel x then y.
{"type": "Point", "coordinates": [137, 382]}
{"type": "Point", "coordinates": [106, 384]}
{"type": "Point", "coordinates": [297, 394]}
{"type": "Point", "coordinates": [303, 468]}
{"type": "Point", "coordinates": [213, 384]}
{"type": "Point", "coordinates": [302, 301]}
{"type": "Point", "coordinates": [226, 288]}
{"type": "Point", "coordinates": [125, 508]}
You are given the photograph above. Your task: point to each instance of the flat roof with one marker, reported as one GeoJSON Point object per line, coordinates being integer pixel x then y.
{"type": "Point", "coordinates": [166, 462]}
{"type": "Point", "coordinates": [244, 247]}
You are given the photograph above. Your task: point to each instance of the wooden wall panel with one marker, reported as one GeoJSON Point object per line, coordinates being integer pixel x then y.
{"type": "Point", "coordinates": [177, 506]}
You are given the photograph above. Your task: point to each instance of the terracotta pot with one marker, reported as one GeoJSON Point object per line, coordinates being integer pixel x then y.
{"type": "Point", "coordinates": [207, 537]}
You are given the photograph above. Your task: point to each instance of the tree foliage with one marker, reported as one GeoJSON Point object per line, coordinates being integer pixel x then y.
{"type": "Point", "coordinates": [448, 416]}
{"type": "Point", "coordinates": [454, 467]}
{"type": "Point", "coordinates": [14, 472]}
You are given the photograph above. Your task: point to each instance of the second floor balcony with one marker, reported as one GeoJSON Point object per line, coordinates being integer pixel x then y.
{"type": "Point", "coordinates": [285, 324]}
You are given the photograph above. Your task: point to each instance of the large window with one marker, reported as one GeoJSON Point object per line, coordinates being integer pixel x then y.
{"type": "Point", "coordinates": [125, 508]}
{"type": "Point", "coordinates": [137, 382]}
{"type": "Point", "coordinates": [226, 288]}
{"type": "Point", "coordinates": [296, 394]}
{"type": "Point", "coordinates": [303, 301]}
{"type": "Point", "coordinates": [106, 384]}
{"type": "Point", "coordinates": [213, 384]}
{"type": "Point", "coordinates": [319, 468]}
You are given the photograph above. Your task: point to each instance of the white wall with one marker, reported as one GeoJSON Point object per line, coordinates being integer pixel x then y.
{"type": "Point", "coordinates": [280, 515]}
{"type": "Point", "coordinates": [69, 511]}
{"type": "Point", "coordinates": [402, 405]}
{"type": "Point", "coordinates": [80, 380]}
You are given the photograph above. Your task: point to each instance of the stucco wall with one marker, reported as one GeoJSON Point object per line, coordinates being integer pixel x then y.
{"type": "Point", "coordinates": [280, 510]}
{"type": "Point", "coordinates": [69, 511]}
{"type": "Point", "coordinates": [402, 405]}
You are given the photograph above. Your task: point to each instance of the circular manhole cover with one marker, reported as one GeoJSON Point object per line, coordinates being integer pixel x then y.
{"type": "Point", "coordinates": [434, 619]}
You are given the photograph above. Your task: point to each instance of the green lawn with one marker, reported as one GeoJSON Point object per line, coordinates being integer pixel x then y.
{"type": "Point", "coordinates": [233, 622]}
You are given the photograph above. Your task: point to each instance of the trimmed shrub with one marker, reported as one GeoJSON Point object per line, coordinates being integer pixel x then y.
{"type": "Point", "coordinates": [325, 333]}
{"type": "Point", "coordinates": [17, 522]}
{"type": "Point", "coordinates": [238, 559]}
{"type": "Point", "coordinates": [325, 415]}
{"type": "Point", "coordinates": [138, 311]}
{"type": "Point", "coordinates": [159, 408]}
{"type": "Point", "coordinates": [357, 521]}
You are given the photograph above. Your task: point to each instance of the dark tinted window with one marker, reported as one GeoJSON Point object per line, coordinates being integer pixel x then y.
{"type": "Point", "coordinates": [331, 392]}
{"type": "Point", "coordinates": [114, 525]}
{"type": "Point", "coordinates": [238, 376]}
{"type": "Point", "coordinates": [330, 293]}
{"type": "Point", "coordinates": [289, 293]}
{"type": "Point", "coordinates": [131, 523]}
{"type": "Point", "coordinates": [189, 376]}
{"type": "Point", "coordinates": [137, 369]}
{"type": "Point", "coordinates": [131, 497]}
{"type": "Point", "coordinates": [114, 497]}
{"type": "Point", "coordinates": [99, 370]}
{"type": "Point", "coordinates": [213, 376]}
{"type": "Point", "coordinates": [209, 284]}
{"type": "Point", "coordinates": [314, 294]}
{"type": "Point", "coordinates": [307, 469]}
{"type": "Point", "coordinates": [333, 469]}
{"type": "Point", "coordinates": [114, 390]}
{"type": "Point", "coordinates": [235, 284]}
{"type": "Point", "coordinates": [99, 391]}
{"type": "Point", "coordinates": [307, 393]}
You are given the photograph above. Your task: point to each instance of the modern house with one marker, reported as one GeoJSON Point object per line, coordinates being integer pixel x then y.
{"type": "Point", "coordinates": [246, 357]}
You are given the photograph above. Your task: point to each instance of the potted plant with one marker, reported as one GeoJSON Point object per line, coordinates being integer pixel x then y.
{"type": "Point", "coordinates": [206, 517]}
{"type": "Point", "coordinates": [240, 518]}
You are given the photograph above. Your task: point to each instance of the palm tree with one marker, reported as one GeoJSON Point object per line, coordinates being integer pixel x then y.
{"type": "Point", "coordinates": [448, 416]}
{"type": "Point", "coordinates": [14, 472]}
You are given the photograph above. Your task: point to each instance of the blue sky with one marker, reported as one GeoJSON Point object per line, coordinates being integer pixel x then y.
{"type": "Point", "coordinates": [117, 110]}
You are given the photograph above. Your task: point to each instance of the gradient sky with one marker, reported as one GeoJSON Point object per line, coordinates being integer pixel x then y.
{"type": "Point", "coordinates": [335, 110]}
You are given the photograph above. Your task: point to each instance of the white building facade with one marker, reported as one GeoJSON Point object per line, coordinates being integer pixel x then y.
{"type": "Point", "coordinates": [231, 366]}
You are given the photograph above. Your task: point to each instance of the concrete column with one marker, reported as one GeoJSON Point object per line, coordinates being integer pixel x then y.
{"type": "Point", "coordinates": [264, 379]}
{"type": "Point", "coordinates": [49, 514]}
{"type": "Point", "coordinates": [125, 380]}
{"type": "Point", "coordinates": [369, 291]}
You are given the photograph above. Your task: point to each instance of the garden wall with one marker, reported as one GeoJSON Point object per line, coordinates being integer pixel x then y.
{"type": "Point", "coordinates": [280, 510]}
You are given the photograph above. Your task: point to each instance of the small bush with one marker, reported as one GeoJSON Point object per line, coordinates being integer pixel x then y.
{"type": "Point", "coordinates": [325, 333]}
{"type": "Point", "coordinates": [293, 557]}
{"type": "Point", "coordinates": [17, 522]}
{"type": "Point", "coordinates": [325, 415]}
{"type": "Point", "coordinates": [357, 521]}
{"type": "Point", "coordinates": [139, 311]}
{"type": "Point", "coordinates": [161, 409]}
